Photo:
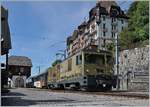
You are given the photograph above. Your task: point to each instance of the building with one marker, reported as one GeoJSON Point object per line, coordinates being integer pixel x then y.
{"type": "Point", "coordinates": [105, 21]}
{"type": "Point", "coordinates": [5, 44]}
{"type": "Point", "coordinates": [19, 70]}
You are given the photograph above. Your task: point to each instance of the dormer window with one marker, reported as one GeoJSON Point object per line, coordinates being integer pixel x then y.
{"type": "Point", "coordinates": [114, 12]}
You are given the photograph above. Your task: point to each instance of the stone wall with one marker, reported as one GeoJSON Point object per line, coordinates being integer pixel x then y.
{"type": "Point", "coordinates": [134, 69]}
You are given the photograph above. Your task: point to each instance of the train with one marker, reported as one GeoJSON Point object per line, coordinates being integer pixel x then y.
{"type": "Point", "coordinates": [85, 70]}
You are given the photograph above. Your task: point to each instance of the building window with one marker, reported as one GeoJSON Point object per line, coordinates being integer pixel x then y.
{"type": "Point", "coordinates": [103, 25]}
{"type": "Point", "coordinates": [113, 20]}
{"type": "Point", "coordinates": [113, 27]}
{"type": "Point", "coordinates": [104, 34]}
{"type": "Point", "coordinates": [122, 28]}
{"type": "Point", "coordinates": [103, 18]}
{"type": "Point", "coordinates": [104, 43]}
{"type": "Point", "coordinates": [113, 35]}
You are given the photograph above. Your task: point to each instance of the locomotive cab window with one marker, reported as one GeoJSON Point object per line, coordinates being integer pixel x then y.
{"type": "Point", "coordinates": [94, 59]}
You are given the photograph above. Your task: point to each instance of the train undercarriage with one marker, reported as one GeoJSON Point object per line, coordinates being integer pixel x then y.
{"type": "Point", "coordinates": [86, 83]}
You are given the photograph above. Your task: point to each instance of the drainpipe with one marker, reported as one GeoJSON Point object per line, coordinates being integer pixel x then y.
{"type": "Point", "coordinates": [7, 67]}
{"type": "Point", "coordinates": [117, 62]}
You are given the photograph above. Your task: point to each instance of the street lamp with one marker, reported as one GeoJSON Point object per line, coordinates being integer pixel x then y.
{"type": "Point", "coordinates": [39, 69]}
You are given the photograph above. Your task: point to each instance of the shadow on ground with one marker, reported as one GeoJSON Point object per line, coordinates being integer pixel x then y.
{"type": "Point", "coordinates": [16, 99]}
{"type": "Point", "coordinates": [12, 94]}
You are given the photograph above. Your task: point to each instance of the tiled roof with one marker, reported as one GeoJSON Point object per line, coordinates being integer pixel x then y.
{"type": "Point", "coordinates": [19, 61]}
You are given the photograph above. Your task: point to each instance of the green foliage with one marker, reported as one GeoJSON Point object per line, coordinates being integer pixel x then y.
{"type": "Point", "coordinates": [138, 26]}
{"type": "Point", "coordinates": [56, 62]}
{"type": "Point", "coordinates": [111, 46]}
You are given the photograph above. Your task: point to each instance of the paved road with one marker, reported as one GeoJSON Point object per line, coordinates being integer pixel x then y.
{"type": "Point", "coordinates": [34, 97]}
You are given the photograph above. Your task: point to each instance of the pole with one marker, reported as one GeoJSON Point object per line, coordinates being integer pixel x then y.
{"type": "Point", "coordinates": [7, 62]}
{"type": "Point", "coordinates": [6, 73]}
{"type": "Point", "coordinates": [65, 53]}
{"type": "Point", "coordinates": [117, 62]}
{"type": "Point", "coordinates": [39, 69]}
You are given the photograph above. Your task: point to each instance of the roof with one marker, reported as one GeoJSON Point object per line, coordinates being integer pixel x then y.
{"type": "Point", "coordinates": [107, 4]}
{"type": "Point", "coordinates": [19, 61]}
{"type": "Point", "coordinates": [40, 74]}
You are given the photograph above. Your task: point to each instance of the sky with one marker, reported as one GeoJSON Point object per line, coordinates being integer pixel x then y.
{"type": "Point", "coordinates": [38, 28]}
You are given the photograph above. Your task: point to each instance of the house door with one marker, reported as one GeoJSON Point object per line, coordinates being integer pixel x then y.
{"type": "Point", "coordinates": [19, 82]}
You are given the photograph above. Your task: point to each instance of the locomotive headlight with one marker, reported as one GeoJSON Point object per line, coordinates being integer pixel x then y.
{"type": "Point", "coordinates": [87, 70]}
{"type": "Point", "coordinates": [104, 85]}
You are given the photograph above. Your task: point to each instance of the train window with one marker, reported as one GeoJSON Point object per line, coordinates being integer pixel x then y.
{"type": "Point", "coordinates": [94, 59]}
{"type": "Point", "coordinates": [109, 60]}
{"type": "Point", "coordinates": [78, 59]}
{"type": "Point", "coordinates": [69, 64]}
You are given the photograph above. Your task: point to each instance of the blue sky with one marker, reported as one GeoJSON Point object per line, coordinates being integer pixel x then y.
{"type": "Point", "coordinates": [36, 26]}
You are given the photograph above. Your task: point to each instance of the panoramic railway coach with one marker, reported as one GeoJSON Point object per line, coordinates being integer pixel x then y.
{"type": "Point", "coordinates": [87, 70]}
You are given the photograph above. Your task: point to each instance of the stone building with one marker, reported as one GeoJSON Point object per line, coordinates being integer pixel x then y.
{"type": "Point", "coordinates": [19, 70]}
{"type": "Point", "coordinates": [105, 21]}
{"type": "Point", "coordinates": [134, 69]}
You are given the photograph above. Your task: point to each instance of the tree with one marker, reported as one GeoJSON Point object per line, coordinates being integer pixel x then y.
{"type": "Point", "coordinates": [138, 25]}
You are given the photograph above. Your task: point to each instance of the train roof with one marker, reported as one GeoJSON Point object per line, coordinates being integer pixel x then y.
{"type": "Point", "coordinates": [42, 73]}
{"type": "Point", "coordinates": [90, 51]}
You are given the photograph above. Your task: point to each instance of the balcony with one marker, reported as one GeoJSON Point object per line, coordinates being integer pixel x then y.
{"type": "Point", "coordinates": [87, 32]}
{"type": "Point", "coordinates": [104, 29]}
{"type": "Point", "coordinates": [114, 30]}
{"type": "Point", "coordinates": [114, 23]}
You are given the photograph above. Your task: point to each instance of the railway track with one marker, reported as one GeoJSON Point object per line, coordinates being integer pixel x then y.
{"type": "Point", "coordinates": [110, 93]}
